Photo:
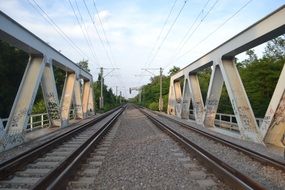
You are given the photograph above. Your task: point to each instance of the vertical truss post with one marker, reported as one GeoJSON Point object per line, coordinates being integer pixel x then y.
{"type": "Point", "coordinates": [213, 96]}
{"type": "Point", "coordinates": [77, 100]}
{"type": "Point", "coordinates": [241, 106]}
{"type": "Point", "coordinates": [273, 125]}
{"type": "Point", "coordinates": [178, 98]}
{"type": "Point", "coordinates": [23, 102]}
{"type": "Point", "coordinates": [85, 97]}
{"type": "Point", "coordinates": [50, 95]}
{"type": "Point", "coordinates": [67, 96]}
{"type": "Point", "coordinates": [197, 99]}
{"type": "Point", "coordinates": [186, 99]}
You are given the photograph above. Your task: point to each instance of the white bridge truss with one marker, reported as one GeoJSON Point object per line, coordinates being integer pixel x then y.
{"type": "Point", "coordinates": [39, 70]}
{"type": "Point", "coordinates": [222, 62]}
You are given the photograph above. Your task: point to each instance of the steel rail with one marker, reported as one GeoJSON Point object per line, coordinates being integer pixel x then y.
{"type": "Point", "coordinates": [58, 177]}
{"type": "Point", "coordinates": [8, 167]}
{"type": "Point", "coordinates": [264, 159]}
{"type": "Point", "coordinates": [225, 172]}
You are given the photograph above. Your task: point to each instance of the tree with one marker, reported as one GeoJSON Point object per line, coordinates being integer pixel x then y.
{"type": "Point", "coordinates": [173, 71]}
{"type": "Point", "coordinates": [84, 65]}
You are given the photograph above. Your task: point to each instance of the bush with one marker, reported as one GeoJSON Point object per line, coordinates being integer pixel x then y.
{"type": "Point", "coordinates": [153, 106]}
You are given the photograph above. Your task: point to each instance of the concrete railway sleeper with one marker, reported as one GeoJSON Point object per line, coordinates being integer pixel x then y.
{"type": "Point", "coordinates": [253, 162]}
{"type": "Point", "coordinates": [225, 172]}
{"type": "Point", "coordinates": [42, 165]}
{"type": "Point", "coordinates": [269, 161]}
{"type": "Point", "coordinates": [87, 170]}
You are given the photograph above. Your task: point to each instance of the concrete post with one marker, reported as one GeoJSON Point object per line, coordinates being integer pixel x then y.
{"type": "Point", "coordinates": [160, 93]}
{"type": "Point", "coordinates": [197, 99]}
{"type": "Point", "coordinates": [67, 96]}
{"type": "Point", "coordinates": [273, 126]}
{"type": "Point", "coordinates": [77, 100]}
{"type": "Point", "coordinates": [213, 96]}
{"type": "Point", "coordinates": [101, 99]}
{"type": "Point", "coordinates": [50, 95]}
{"type": "Point", "coordinates": [24, 100]}
{"type": "Point", "coordinates": [186, 100]}
{"type": "Point", "coordinates": [241, 106]}
{"type": "Point", "coordinates": [85, 97]}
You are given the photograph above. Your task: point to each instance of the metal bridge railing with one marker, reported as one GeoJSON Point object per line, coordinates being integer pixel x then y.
{"type": "Point", "coordinates": [40, 120]}
{"type": "Point", "coordinates": [227, 121]}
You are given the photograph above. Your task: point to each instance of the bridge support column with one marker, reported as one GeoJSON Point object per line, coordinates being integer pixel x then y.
{"type": "Point", "coordinates": [239, 100]}
{"type": "Point", "coordinates": [213, 96]}
{"type": "Point", "coordinates": [197, 99]}
{"type": "Point", "coordinates": [24, 100]}
{"type": "Point", "coordinates": [186, 99]}
{"type": "Point", "coordinates": [85, 97]}
{"type": "Point", "coordinates": [171, 99]}
{"type": "Point", "coordinates": [77, 100]}
{"type": "Point", "coordinates": [273, 126]}
{"type": "Point", "coordinates": [66, 98]}
{"type": "Point", "coordinates": [177, 92]}
{"type": "Point", "coordinates": [90, 107]}
{"type": "Point", "coordinates": [50, 95]}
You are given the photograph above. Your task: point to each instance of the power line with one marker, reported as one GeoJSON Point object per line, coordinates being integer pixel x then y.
{"type": "Point", "coordinates": [191, 34]}
{"type": "Point", "coordinates": [168, 32]}
{"type": "Point", "coordinates": [86, 36]}
{"type": "Point", "coordinates": [211, 33]}
{"type": "Point", "coordinates": [161, 31]}
{"type": "Point", "coordinates": [56, 27]}
{"type": "Point", "coordinates": [108, 42]}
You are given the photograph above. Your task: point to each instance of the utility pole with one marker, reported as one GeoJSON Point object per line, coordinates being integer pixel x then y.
{"type": "Point", "coordinates": [116, 94]}
{"type": "Point", "coordinates": [160, 95]}
{"type": "Point", "coordinates": [101, 99]}
{"type": "Point", "coordinates": [160, 101]}
{"type": "Point", "coordinates": [120, 97]}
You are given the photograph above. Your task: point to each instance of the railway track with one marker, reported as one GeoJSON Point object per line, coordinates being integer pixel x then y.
{"type": "Point", "coordinates": [228, 174]}
{"type": "Point", "coordinates": [40, 167]}
{"type": "Point", "coordinates": [253, 154]}
{"type": "Point", "coordinates": [265, 172]}
{"type": "Point", "coordinates": [88, 172]}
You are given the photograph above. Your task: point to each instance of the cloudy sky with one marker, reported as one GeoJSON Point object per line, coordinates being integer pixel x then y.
{"type": "Point", "coordinates": [136, 34]}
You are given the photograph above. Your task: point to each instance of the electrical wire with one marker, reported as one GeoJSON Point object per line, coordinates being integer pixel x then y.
{"type": "Point", "coordinates": [168, 32]}
{"type": "Point", "coordinates": [39, 9]}
{"type": "Point", "coordinates": [211, 33]}
{"type": "Point", "coordinates": [85, 33]}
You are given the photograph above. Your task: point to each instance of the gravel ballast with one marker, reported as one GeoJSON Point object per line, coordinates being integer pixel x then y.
{"type": "Point", "coordinates": [143, 157]}
{"type": "Point", "coordinates": [269, 177]}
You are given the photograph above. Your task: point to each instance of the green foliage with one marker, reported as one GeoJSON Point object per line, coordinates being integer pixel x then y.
{"type": "Point", "coordinates": [84, 65]}
{"type": "Point", "coordinates": [12, 66]}
{"type": "Point", "coordinates": [153, 106]}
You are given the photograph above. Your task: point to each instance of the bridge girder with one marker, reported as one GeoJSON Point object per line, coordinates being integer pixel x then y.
{"type": "Point", "coordinates": [222, 61]}
{"type": "Point", "coordinates": [39, 70]}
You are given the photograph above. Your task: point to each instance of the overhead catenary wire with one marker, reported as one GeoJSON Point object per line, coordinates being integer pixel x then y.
{"type": "Point", "coordinates": [84, 30]}
{"type": "Point", "coordinates": [189, 35]}
{"type": "Point", "coordinates": [107, 41]}
{"type": "Point", "coordinates": [44, 14]}
{"type": "Point", "coordinates": [211, 33]}
{"type": "Point", "coordinates": [168, 32]}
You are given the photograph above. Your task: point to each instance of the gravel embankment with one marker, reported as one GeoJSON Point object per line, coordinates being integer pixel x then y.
{"type": "Point", "coordinates": [143, 157]}
{"type": "Point", "coordinates": [268, 176]}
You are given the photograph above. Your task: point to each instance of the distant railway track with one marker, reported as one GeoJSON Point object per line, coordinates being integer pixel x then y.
{"type": "Point", "coordinates": [40, 167]}
{"type": "Point", "coordinates": [228, 174]}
